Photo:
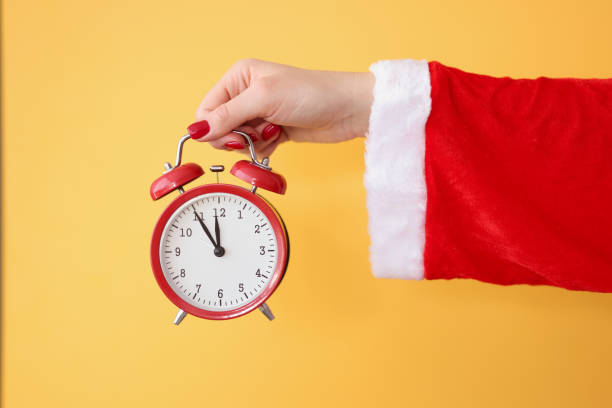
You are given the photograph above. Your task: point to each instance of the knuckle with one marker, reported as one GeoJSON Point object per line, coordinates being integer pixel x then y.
{"type": "Point", "coordinates": [265, 95]}
{"type": "Point", "coordinates": [221, 114]}
{"type": "Point", "coordinates": [217, 144]}
{"type": "Point", "coordinates": [200, 114]}
{"type": "Point", "coordinates": [245, 63]}
{"type": "Point", "coordinates": [265, 85]}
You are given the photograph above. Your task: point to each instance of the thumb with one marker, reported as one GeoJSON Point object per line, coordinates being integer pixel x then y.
{"type": "Point", "coordinates": [232, 114]}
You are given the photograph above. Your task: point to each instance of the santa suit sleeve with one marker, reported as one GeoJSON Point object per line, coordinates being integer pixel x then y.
{"type": "Point", "coordinates": [501, 180]}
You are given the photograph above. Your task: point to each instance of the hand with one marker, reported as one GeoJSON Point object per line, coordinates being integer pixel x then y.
{"type": "Point", "coordinates": [309, 106]}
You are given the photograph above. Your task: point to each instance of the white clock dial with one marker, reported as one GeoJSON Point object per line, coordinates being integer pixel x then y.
{"type": "Point", "coordinates": [206, 276]}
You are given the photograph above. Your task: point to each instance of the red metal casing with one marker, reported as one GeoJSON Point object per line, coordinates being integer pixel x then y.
{"type": "Point", "coordinates": [178, 176]}
{"type": "Point", "coordinates": [262, 178]}
{"type": "Point", "coordinates": [279, 231]}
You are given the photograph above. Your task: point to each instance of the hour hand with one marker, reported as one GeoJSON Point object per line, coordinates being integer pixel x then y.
{"type": "Point", "coordinates": [201, 221]}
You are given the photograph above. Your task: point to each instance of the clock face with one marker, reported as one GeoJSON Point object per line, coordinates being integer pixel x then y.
{"type": "Point", "coordinates": [219, 251]}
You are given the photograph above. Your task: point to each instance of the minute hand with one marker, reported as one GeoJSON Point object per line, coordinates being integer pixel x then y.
{"type": "Point", "coordinates": [201, 221]}
{"type": "Point", "coordinates": [217, 232]}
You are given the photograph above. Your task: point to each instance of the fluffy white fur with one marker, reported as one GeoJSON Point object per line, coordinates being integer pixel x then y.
{"type": "Point", "coordinates": [395, 174]}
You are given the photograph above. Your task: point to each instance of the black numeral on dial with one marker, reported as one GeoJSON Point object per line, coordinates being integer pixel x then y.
{"type": "Point", "coordinates": [220, 293]}
{"type": "Point", "coordinates": [186, 232]}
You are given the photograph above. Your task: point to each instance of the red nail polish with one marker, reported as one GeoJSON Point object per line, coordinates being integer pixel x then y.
{"type": "Point", "coordinates": [234, 145]}
{"type": "Point", "coordinates": [253, 137]}
{"type": "Point", "coordinates": [270, 131]}
{"type": "Point", "coordinates": [198, 130]}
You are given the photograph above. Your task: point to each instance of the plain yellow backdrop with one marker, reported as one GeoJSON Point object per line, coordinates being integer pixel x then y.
{"type": "Point", "coordinates": [95, 97]}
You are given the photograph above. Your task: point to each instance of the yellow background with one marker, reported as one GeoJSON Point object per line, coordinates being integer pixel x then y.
{"type": "Point", "coordinates": [95, 96]}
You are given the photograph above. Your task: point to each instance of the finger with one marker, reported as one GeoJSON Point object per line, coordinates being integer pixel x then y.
{"type": "Point", "coordinates": [235, 141]}
{"type": "Point", "coordinates": [249, 130]}
{"type": "Point", "coordinates": [266, 147]}
{"type": "Point", "coordinates": [222, 120]}
{"type": "Point", "coordinates": [262, 149]}
{"type": "Point", "coordinates": [268, 133]}
{"type": "Point", "coordinates": [218, 95]}
{"type": "Point", "coordinates": [233, 82]}
{"type": "Point", "coordinates": [271, 147]}
{"type": "Point", "coordinates": [268, 130]}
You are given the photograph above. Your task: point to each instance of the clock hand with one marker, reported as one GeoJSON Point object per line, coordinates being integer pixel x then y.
{"type": "Point", "coordinates": [217, 232]}
{"type": "Point", "coordinates": [204, 228]}
{"type": "Point", "coordinates": [219, 250]}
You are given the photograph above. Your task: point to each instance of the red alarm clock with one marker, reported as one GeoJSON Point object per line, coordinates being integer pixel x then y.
{"type": "Point", "coordinates": [219, 250]}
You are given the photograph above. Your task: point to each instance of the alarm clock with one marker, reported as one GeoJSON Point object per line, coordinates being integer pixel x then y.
{"type": "Point", "coordinates": [219, 251]}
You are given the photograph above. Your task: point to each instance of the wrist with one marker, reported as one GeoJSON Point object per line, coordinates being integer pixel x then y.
{"type": "Point", "coordinates": [361, 97]}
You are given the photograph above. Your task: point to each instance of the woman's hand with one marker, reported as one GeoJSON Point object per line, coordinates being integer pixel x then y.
{"type": "Point", "coordinates": [276, 103]}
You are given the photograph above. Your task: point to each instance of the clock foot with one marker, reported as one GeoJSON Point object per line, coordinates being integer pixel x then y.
{"type": "Point", "coordinates": [266, 311]}
{"type": "Point", "coordinates": [180, 316]}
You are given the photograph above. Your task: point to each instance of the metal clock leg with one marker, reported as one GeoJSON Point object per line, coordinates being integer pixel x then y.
{"type": "Point", "coordinates": [180, 316]}
{"type": "Point", "coordinates": [266, 311]}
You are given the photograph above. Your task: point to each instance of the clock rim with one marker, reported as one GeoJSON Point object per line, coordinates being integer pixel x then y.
{"type": "Point", "coordinates": [278, 227]}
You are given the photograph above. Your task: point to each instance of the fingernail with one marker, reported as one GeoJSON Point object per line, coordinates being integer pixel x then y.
{"type": "Point", "coordinates": [270, 131]}
{"type": "Point", "coordinates": [234, 145]}
{"type": "Point", "coordinates": [253, 137]}
{"type": "Point", "coordinates": [198, 130]}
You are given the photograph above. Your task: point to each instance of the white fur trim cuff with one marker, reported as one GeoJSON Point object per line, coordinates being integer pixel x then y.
{"type": "Point", "coordinates": [395, 168]}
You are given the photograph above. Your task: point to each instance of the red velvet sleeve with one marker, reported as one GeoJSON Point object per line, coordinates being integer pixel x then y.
{"type": "Point", "coordinates": [519, 180]}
